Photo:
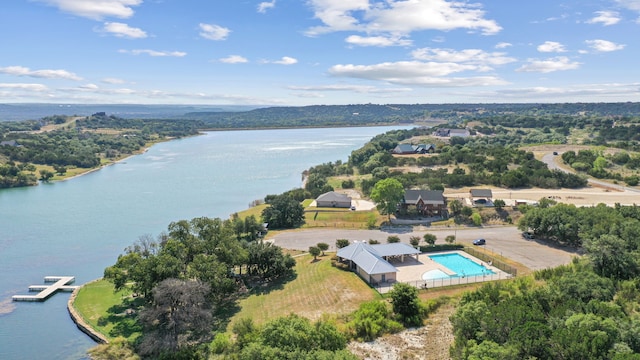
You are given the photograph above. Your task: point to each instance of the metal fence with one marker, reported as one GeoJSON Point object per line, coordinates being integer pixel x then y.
{"type": "Point", "coordinates": [450, 281]}
{"type": "Point", "coordinates": [490, 259]}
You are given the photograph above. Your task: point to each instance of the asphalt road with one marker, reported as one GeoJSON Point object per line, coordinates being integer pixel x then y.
{"type": "Point", "coordinates": [506, 241]}
{"type": "Point", "coordinates": [551, 161]}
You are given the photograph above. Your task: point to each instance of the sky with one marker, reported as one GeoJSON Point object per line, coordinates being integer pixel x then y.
{"type": "Point", "coordinates": [315, 52]}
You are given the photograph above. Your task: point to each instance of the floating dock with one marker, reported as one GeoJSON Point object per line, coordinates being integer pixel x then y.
{"type": "Point", "coordinates": [60, 283]}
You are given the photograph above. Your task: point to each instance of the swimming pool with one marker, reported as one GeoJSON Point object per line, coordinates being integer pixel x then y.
{"type": "Point", "coordinates": [460, 265]}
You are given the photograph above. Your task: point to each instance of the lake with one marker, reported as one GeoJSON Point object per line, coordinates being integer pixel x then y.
{"type": "Point", "coordinates": [80, 226]}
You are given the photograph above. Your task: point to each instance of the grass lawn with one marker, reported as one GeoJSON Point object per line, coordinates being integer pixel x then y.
{"type": "Point", "coordinates": [255, 211]}
{"type": "Point", "coordinates": [340, 218]}
{"type": "Point", "coordinates": [104, 310]}
{"type": "Point", "coordinates": [317, 289]}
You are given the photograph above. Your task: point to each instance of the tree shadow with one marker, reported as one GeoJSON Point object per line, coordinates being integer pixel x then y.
{"type": "Point", "coordinates": [123, 318]}
{"type": "Point", "coordinates": [225, 311]}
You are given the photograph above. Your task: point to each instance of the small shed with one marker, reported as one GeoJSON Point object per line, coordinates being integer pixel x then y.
{"type": "Point", "coordinates": [481, 196]}
{"type": "Point", "coordinates": [333, 199]}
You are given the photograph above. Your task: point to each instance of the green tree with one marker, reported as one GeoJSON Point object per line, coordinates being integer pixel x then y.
{"type": "Point", "coordinates": [283, 213]}
{"type": "Point", "coordinates": [498, 204]}
{"type": "Point", "coordinates": [340, 243]}
{"type": "Point", "coordinates": [429, 238]}
{"type": "Point", "coordinates": [323, 247]}
{"type": "Point", "coordinates": [476, 218]}
{"type": "Point", "coordinates": [456, 207]}
{"type": "Point", "coordinates": [406, 304]}
{"type": "Point", "coordinates": [393, 239]}
{"type": "Point", "coordinates": [178, 318]}
{"type": "Point", "coordinates": [610, 257]}
{"type": "Point", "coordinates": [387, 194]}
{"type": "Point", "coordinates": [45, 175]}
{"type": "Point", "coordinates": [450, 239]}
{"type": "Point", "coordinates": [414, 241]}
{"type": "Point", "coordinates": [314, 251]}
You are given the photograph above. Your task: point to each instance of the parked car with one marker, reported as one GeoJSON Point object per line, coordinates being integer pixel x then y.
{"type": "Point", "coordinates": [479, 242]}
{"type": "Point", "coordinates": [555, 153]}
{"type": "Point", "coordinates": [528, 235]}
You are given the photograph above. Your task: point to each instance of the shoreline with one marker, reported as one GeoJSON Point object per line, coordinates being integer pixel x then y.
{"type": "Point", "coordinates": [79, 320]}
{"type": "Point", "coordinates": [144, 150]}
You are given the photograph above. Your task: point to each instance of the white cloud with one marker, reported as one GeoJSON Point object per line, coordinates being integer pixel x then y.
{"type": "Point", "coordinates": [380, 41]}
{"type": "Point", "coordinates": [47, 74]}
{"type": "Point", "coordinates": [113, 81]}
{"type": "Point", "coordinates": [348, 87]}
{"type": "Point", "coordinates": [124, 30]}
{"type": "Point", "coordinates": [28, 87]}
{"type": "Point", "coordinates": [605, 18]}
{"type": "Point", "coordinates": [559, 63]}
{"type": "Point", "coordinates": [468, 56]}
{"type": "Point", "coordinates": [234, 59]}
{"type": "Point", "coordinates": [577, 92]}
{"type": "Point", "coordinates": [630, 4]}
{"type": "Point", "coordinates": [214, 32]}
{"type": "Point", "coordinates": [399, 17]}
{"type": "Point", "coordinates": [286, 60]}
{"type": "Point", "coordinates": [503, 45]}
{"type": "Point", "coordinates": [414, 73]}
{"type": "Point", "coordinates": [89, 86]}
{"type": "Point", "coordinates": [264, 6]}
{"type": "Point", "coordinates": [551, 46]}
{"type": "Point", "coordinates": [604, 45]}
{"type": "Point", "coordinates": [154, 53]}
{"type": "Point", "coordinates": [96, 9]}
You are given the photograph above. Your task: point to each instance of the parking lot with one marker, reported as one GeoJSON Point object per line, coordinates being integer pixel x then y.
{"type": "Point", "coordinates": [505, 241]}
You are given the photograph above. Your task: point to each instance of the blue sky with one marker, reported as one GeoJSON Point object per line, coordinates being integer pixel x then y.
{"type": "Point", "coordinates": [305, 52]}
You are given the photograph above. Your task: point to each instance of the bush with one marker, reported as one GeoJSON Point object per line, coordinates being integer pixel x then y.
{"type": "Point", "coordinates": [393, 239]}
{"type": "Point", "coordinates": [348, 184]}
{"type": "Point", "coordinates": [371, 320]}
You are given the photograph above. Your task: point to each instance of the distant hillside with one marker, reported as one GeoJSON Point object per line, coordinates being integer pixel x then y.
{"type": "Point", "coordinates": [372, 114]}
{"type": "Point", "coordinates": [17, 112]}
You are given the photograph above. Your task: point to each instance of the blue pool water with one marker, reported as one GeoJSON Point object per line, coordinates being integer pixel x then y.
{"type": "Point", "coordinates": [460, 265]}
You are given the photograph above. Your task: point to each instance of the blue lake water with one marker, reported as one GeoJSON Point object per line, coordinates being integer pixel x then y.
{"type": "Point", "coordinates": [78, 227]}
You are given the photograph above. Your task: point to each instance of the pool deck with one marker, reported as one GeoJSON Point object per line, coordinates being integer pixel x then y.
{"type": "Point", "coordinates": [411, 270]}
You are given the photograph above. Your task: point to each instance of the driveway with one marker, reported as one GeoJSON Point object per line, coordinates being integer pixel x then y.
{"type": "Point", "coordinates": [506, 241]}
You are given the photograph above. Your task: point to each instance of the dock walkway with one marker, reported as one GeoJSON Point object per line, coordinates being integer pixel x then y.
{"type": "Point", "coordinates": [60, 283]}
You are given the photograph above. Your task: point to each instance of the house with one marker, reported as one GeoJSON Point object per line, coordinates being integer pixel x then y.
{"type": "Point", "coordinates": [9, 143]}
{"type": "Point", "coordinates": [333, 199]}
{"type": "Point", "coordinates": [481, 196]}
{"type": "Point", "coordinates": [426, 202]}
{"type": "Point", "coordinates": [425, 148]}
{"type": "Point", "coordinates": [404, 149]}
{"type": "Point", "coordinates": [371, 262]}
{"type": "Point", "coordinates": [452, 132]}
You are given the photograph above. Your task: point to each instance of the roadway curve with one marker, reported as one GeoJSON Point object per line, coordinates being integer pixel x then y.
{"type": "Point", "coordinates": [552, 164]}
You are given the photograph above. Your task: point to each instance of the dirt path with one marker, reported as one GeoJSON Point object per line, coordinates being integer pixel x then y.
{"type": "Point", "coordinates": [430, 342]}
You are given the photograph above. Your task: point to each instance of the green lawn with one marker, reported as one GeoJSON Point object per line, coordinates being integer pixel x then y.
{"type": "Point", "coordinates": [255, 211]}
{"type": "Point", "coordinates": [105, 310]}
{"type": "Point", "coordinates": [317, 289]}
{"type": "Point", "coordinates": [340, 218]}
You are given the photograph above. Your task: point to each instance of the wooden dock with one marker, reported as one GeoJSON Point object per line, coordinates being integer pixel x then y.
{"type": "Point", "coordinates": [60, 283]}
